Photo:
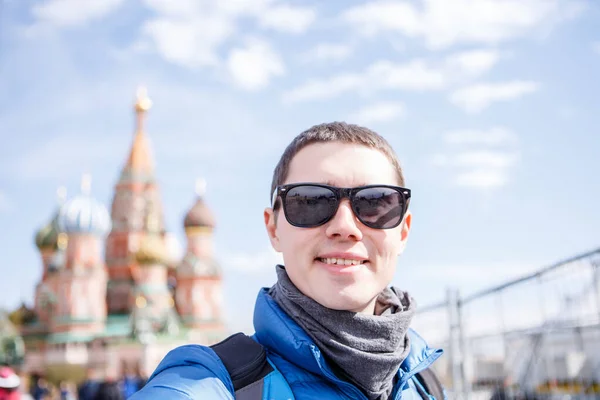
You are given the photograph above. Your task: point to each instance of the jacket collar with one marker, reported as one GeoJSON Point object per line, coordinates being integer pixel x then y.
{"type": "Point", "coordinates": [280, 334]}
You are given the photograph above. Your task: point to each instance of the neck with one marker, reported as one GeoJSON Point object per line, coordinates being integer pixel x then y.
{"type": "Point", "coordinates": [376, 335]}
{"type": "Point", "coordinates": [368, 309]}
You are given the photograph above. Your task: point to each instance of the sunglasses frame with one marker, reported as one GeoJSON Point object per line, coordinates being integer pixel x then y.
{"type": "Point", "coordinates": [340, 194]}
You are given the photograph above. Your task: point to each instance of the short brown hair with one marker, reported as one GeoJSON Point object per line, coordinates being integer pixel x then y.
{"type": "Point", "coordinates": [333, 132]}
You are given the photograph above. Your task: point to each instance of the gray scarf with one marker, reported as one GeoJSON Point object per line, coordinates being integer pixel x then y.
{"type": "Point", "coordinates": [366, 350]}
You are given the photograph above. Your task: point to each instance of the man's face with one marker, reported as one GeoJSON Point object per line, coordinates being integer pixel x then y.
{"type": "Point", "coordinates": [355, 289]}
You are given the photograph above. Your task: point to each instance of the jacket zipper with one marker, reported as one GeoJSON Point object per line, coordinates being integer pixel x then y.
{"type": "Point", "coordinates": [420, 367]}
{"type": "Point", "coordinates": [339, 382]}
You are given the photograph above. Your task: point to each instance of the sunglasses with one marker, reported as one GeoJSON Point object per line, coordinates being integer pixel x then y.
{"type": "Point", "coordinates": [308, 205]}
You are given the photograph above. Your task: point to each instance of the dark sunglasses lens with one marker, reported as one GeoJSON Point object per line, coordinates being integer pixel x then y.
{"type": "Point", "coordinates": [309, 205]}
{"type": "Point", "coordinates": [379, 207]}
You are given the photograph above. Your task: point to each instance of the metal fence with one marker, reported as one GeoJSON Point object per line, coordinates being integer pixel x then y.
{"type": "Point", "coordinates": [533, 337]}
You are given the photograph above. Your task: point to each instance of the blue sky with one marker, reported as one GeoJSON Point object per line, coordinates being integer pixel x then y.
{"type": "Point", "coordinates": [491, 105]}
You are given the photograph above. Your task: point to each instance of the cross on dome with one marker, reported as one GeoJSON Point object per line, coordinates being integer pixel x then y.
{"type": "Point", "coordinates": [61, 195]}
{"type": "Point", "coordinates": [143, 102]}
{"type": "Point", "coordinates": [200, 187]}
{"type": "Point", "coordinates": [142, 105]}
{"type": "Point", "coordinates": [86, 184]}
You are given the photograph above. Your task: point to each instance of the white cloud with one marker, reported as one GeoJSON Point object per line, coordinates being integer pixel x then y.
{"type": "Point", "coordinates": [240, 7]}
{"type": "Point", "coordinates": [190, 33]}
{"type": "Point", "coordinates": [328, 52]}
{"type": "Point", "coordinates": [65, 13]}
{"type": "Point", "coordinates": [493, 136]}
{"type": "Point", "coordinates": [289, 19]}
{"type": "Point", "coordinates": [476, 98]}
{"type": "Point", "coordinates": [475, 62]}
{"type": "Point", "coordinates": [480, 159]}
{"type": "Point", "coordinates": [188, 8]}
{"type": "Point", "coordinates": [441, 23]}
{"type": "Point", "coordinates": [190, 42]}
{"type": "Point", "coordinates": [479, 169]}
{"type": "Point", "coordinates": [377, 16]}
{"type": "Point", "coordinates": [384, 111]}
{"type": "Point", "coordinates": [324, 89]}
{"type": "Point", "coordinates": [414, 75]}
{"type": "Point", "coordinates": [254, 65]}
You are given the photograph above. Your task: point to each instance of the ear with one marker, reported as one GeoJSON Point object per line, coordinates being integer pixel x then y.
{"type": "Point", "coordinates": [271, 226]}
{"type": "Point", "coordinates": [404, 232]}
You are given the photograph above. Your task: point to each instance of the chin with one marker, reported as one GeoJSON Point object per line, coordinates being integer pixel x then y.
{"type": "Point", "coordinates": [343, 302]}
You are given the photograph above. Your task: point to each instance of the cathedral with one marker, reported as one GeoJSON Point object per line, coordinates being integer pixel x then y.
{"type": "Point", "coordinates": [112, 298]}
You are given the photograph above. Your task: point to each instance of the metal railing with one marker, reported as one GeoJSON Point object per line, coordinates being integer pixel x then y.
{"type": "Point", "coordinates": [533, 337]}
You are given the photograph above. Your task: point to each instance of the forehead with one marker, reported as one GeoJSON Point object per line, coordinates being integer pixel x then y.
{"type": "Point", "coordinates": [341, 164]}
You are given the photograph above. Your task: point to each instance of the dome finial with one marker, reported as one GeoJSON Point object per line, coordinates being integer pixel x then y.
{"type": "Point", "coordinates": [142, 105]}
{"type": "Point", "coordinates": [199, 215]}
{"type": "Point", "coordinates": [61, 195]}
{"type": "Point", "coordinates": [86, 184]}
{"type": "Point", "coordinates": [200, 187]}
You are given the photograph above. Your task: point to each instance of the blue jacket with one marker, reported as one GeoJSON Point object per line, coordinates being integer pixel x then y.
{"type": "Point", "coordinates": [195, 372]}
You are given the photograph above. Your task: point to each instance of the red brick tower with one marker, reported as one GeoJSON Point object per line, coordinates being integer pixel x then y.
{"type": "Point", "coordinates": [136, 204]}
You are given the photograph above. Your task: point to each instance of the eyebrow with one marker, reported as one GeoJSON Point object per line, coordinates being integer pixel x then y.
{"type": "Point", "coordinates": [331, 183]}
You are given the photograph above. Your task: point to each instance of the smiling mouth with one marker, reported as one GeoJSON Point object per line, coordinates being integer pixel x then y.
{"type": "Point", "coordinates": [340, 261]}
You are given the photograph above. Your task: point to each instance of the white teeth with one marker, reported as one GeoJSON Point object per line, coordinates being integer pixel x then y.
{"type": "Point", "coordinates": [341, 261]}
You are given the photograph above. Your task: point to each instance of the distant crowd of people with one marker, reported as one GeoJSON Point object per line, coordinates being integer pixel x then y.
{"type": "Point", "coordinates": [36, 387]}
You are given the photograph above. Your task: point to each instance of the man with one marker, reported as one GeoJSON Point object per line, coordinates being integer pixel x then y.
{"type": "Point", "coordinates": [331, 326]}
{"type": "Point", "coordinates": [9, 384]}
{"type": "Point", "coordinates": [88, 388]}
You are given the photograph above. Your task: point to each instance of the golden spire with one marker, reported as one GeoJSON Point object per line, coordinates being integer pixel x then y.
{"type": "Point", "coordinates": [139, 157]}
{"type": "Point", "coordinates": [142, 105]}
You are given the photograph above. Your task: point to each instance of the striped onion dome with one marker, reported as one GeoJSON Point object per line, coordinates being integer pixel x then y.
{"type": "Point", "coordinates": [152, 251]}
{"type": "Point", "coordinates": [47, 236]}
{"type": "Point", "coordinates": [84, 214]}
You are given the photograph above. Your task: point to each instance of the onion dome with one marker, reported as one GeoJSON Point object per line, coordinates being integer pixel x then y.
{"type": "Point", "coordinates": [152, 250]}
{"type": "Point", "coordinates": [199, 215]}
{"type": "Point", "coordinates": [47, 236]}
{"type": "Point", "coordinates": [84, 214]}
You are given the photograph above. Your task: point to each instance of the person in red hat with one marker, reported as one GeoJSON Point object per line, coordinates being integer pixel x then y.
{"type": "Point", "coordinates": [9, 384]}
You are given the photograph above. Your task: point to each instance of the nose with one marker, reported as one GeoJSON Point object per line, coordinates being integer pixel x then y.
{"type": "Point", "coordinates": [344, 224]}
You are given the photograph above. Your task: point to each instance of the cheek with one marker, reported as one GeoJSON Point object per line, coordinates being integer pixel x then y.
{"type": "Point", "coordinates": [294, 241]}
{"type": "Point", "coordinates": [388, 243]}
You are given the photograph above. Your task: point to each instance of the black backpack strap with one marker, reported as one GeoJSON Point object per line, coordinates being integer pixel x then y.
{"type": "Point", "coordinates": [246, 362]}
{"type": "Point", "coordinates": [431, 383]}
